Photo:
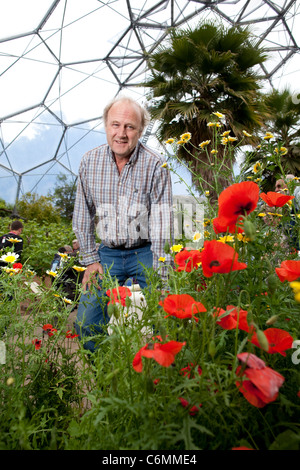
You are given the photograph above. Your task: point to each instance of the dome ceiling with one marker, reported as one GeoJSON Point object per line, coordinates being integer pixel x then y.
{"type": "Point", "coordinates": [62, 60]}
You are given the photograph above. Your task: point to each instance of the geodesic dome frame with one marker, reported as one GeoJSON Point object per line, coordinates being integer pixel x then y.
{"type": "Point", "coordinates": [62, 60]}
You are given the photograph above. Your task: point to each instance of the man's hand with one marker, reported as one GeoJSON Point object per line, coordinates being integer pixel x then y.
{"type": "Point", "coordinates": [89, 276]}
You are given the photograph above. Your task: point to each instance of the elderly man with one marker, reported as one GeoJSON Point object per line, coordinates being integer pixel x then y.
{"type": "Point", "coordinates": [126, 187]}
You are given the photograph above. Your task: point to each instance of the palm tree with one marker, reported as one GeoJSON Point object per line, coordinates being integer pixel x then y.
{"type": "Point", "coordinates": [283, 122]}
{"type": "Point", "coordinates": [202, 71]}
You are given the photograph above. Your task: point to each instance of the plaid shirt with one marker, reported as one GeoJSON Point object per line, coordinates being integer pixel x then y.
{"type": "Point", "coordinates": [127, 209]}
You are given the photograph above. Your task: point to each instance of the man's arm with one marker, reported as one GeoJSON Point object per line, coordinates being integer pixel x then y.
{"type": "Point", "coordinates": [83, 220]}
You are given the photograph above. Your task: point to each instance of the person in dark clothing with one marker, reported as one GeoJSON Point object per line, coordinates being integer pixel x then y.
{"type": "Point", "coordinates": [57, 260]}
{"type": "Point", "coordinates": [13, 239]}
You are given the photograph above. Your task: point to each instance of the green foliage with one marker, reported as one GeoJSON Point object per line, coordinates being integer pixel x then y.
{"type": "Point", "coordinates": [39, 208]}
{"type": "Point", "coordinates": [41, 241]}
{"type": "Point", "coordinates": [282, 122]}
{"type": "Point", "coordinates": [55, 395]}
{"type": "Point", "coordinates": [204, 70]}
{"type": "Point", "coordinates": [63, 196]}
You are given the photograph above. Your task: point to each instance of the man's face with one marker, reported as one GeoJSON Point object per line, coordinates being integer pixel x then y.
{"type": "Point", "coordinates": [123, 129]}
{"type": "Point", "coordinates": [281, 187]}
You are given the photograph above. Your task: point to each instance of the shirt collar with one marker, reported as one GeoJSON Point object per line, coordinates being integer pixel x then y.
{"type": "Point", "coordinates": [134, 155]}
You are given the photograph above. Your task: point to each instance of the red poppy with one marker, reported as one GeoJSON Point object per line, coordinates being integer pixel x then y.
{"type": "Point", "coordinates": [274, 199]}
{"type": "Point", "coordinates": [238, 200]}
{"type": "Point", "coordinates": [118, 295]}
{"type": "Point", "coordinates": [49, 329]}
{"type": "Point", "coordinates": [279, 340]}
{"type": "Point", "coordinates": [232, 317]}
{"type": "Point", "coordinates": [69, 334]}
{"type": "Point", "coordinates": [262, 384]}
{"type": "Point", "coordinates": [193, 410]}
{"type": "Point", "coordinates": [289, 270]}
{"type": "Point", "coordinates": [164, 354]}
{"type": "Point", "coordinates": [181, 306]}
{"type": "Point", "coordinates": [223, 225]}
{"type": "Point", "coordinates": [241, 448]}
{"type": "Point", "coordinates": [37, 343]}
{"type": "Point", "coordinates": [17, 266]}
{"type": "Point", "coordinates": [187, 260]}
{"type": "Point", "coordinates": [217, 257]}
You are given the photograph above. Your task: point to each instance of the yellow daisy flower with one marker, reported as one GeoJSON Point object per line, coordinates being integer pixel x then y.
{"type": "Point", "coordinates": [256, 167]}
{"type": "Point", "coordinates": [275, 213]}
{"type": "Point", "coordinates": [170, 141]}
{"type": "Point", "coordinates": [247, 134]}
{"type": "Point", "coordinates": [204, 143]}
{"type": "Point", "coordinates": [219, 115]}
{"type": "Point", "coordinates": [227, 238]}
{"type": "Point", "coordinates": [186, 137]}
{"type": "Point", "coordinates": [176, 248]}
{"type": "Point", "coordinates": [197, 236]}
{"type": "Point", "coordinates": [282, 150]}
{"type": "Point", "coordinates": [63, 255]}
{"type": "Point", "coordinates": [225, 134]}
{"type": "Point", "coordinates": [162, 259]}
{"type": "Point", "coordinates": [213, 124]}
{"type": "Point", "coordinates": [232, 139]}
{"type": "Point", "coordinates": [9, 257]}
{"type": "Point", "coordinates": [79, 268]}
{"type": "Point", "coordinates": [180, 142]}
{"type": "Point", "coordinates": [51, 273]}
{"type": "Point", "coordinates": [13, 240]}
{"type": "Point", "coordinates": [268, 136]}
{"type": "Point", "coordinates": [164, 165]}
{"type": "Point", "coordinates": [214, 151]}
{"type": "Point", "coordinates": [242, 238]}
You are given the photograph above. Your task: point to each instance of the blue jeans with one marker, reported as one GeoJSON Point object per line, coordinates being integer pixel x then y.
{"type": "Point", "coordinates": [122, 264]}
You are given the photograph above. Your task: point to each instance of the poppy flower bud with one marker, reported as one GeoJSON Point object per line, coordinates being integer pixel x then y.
{"type": "Point", "coordinates": [272, 281]}
{"type": "Point", "coordinates": [263, 342]}
{"type": "Point", "coordinates": [112, 309]}
{"type": "Point", "coordinates": [128, 302]}
{"type": "Point", "coordinates": [272, 320]}
{"type": "Point", "coordinates": [250, 230]}
{"type": "Point", "coordinates": [212, 348]}
{"type": "Point", "coordinates": [167, 248]}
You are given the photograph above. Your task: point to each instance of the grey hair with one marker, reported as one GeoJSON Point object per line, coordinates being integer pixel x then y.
{"type": "Point", "coordinates": [145, 116]}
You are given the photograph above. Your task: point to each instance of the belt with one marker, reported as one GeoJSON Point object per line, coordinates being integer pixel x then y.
{"type": "Point", "coordinates": [122, 247]}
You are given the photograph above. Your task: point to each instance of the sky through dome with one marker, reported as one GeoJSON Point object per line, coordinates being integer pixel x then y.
{"type": "Point", "coordinates": [62, 60]}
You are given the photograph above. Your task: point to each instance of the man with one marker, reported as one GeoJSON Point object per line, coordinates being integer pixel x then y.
{"type": "Point", "coordinates": [127, 187]}
{"type": "Point", "coordinates": [13, 238]}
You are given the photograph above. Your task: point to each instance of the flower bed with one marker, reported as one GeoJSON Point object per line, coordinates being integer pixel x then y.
{"type": "Point", "coordinates": [220, 370]}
